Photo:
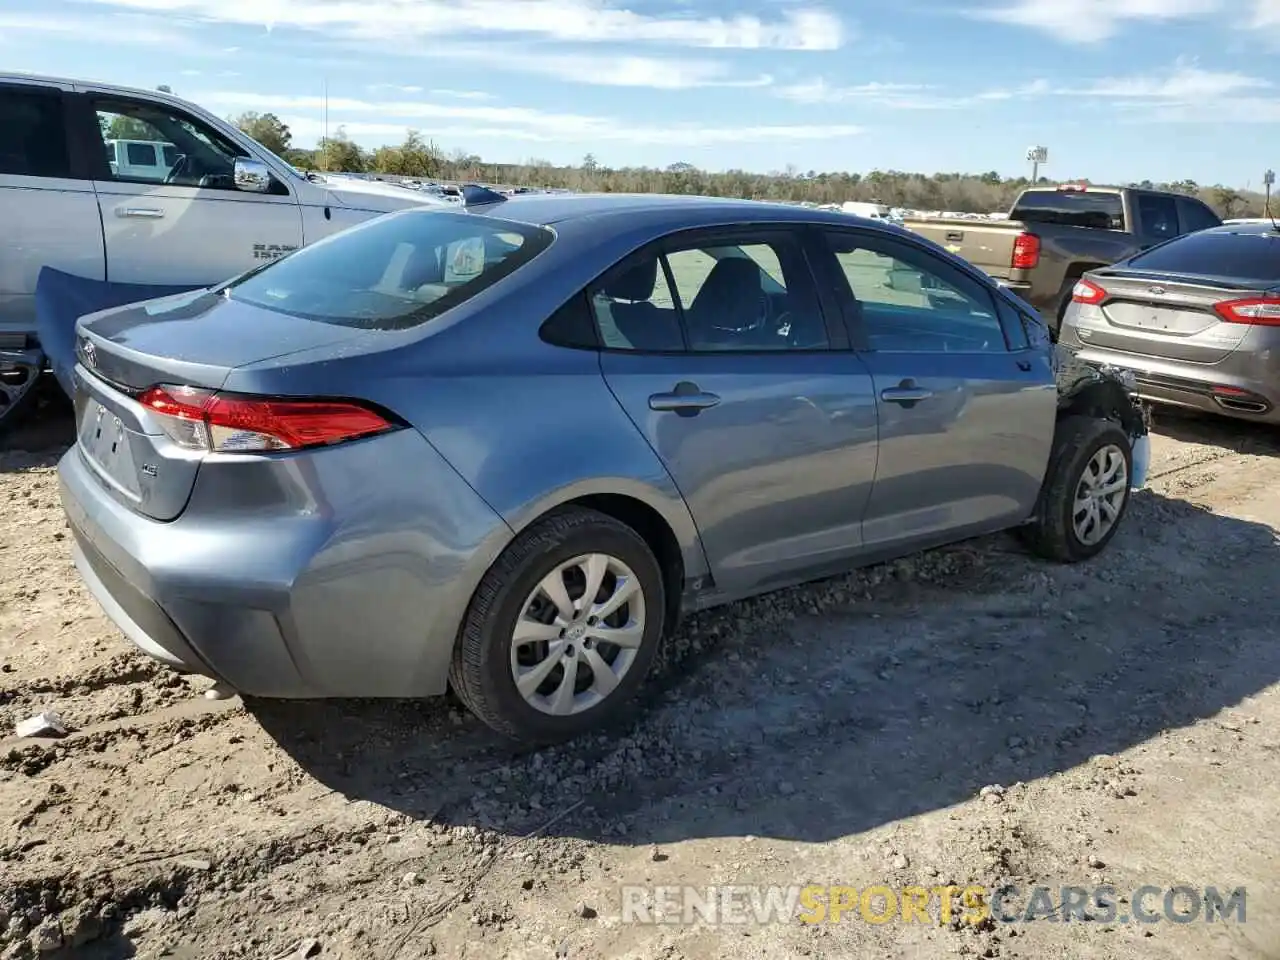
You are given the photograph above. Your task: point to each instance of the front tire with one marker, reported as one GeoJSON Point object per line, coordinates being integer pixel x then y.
{"type": "Point", "coordinates": [535, 659]}
{"type": "Point", "coordinates": [1085, 492]}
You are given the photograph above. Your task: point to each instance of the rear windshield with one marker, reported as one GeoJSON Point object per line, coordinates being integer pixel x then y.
{"type": "Point", "coordinates": [1071, 208]}
{"type": "Point", "coordinates": [395, 271]}
{"type": "Point", "coordinates": [1235, 256]}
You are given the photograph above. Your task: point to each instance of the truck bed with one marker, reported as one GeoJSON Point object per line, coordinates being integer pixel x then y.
{"type": "Point", "coordinates": [987, 244]}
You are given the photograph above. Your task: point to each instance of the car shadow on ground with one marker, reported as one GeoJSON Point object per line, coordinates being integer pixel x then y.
{"type": "Point", "coordinates": [831, 709]}
{"type": "Point", "coordinates": [42, 434]}
{"type": "Point", "coordinates": [1236, 436]}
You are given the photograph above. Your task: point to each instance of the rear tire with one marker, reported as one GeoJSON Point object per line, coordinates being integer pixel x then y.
{"type": "Point", "coordinates": [592, 679]}
{"type": "Point", "coordinates": [1090, 456]}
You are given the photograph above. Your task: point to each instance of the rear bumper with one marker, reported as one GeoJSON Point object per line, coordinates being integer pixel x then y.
{"type": "Point", "coordinates": [333, 592]}
{"type": "Point", "coordinates": [1228, 388]}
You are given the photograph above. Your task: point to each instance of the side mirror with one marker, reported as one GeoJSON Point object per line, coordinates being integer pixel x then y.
{"type": "Point", "coordinates": [252, 176]}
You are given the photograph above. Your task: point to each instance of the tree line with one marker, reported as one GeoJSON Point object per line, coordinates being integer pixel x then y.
{"type": "Point", "coordinates": [420, 157]}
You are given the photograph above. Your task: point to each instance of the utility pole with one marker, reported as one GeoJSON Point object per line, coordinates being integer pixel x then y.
{"type": "Point", "coordinates": [326, 109]}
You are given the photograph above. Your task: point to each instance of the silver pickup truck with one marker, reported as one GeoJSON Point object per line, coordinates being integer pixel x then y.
{"type": "Point", "coordinates": [223, 205]}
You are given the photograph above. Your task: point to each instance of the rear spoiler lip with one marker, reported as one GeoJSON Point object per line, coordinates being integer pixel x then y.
{"type": "Point", "coordinates": [1158, 276]}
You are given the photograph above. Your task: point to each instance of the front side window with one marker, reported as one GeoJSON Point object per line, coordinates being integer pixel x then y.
{"type": "Point", "coordinates": [33, 139]}
{"type": "Point", "coordinates": [166, 146]}
{"type": "Point", "coordinates": [907, 300]}
{"type": "Point", "coordinates": [393, 272]}
{"type": "Point", "coordinates": [712, 297]}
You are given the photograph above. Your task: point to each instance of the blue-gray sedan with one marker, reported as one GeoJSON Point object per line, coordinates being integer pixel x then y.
{"type": "Point", "coordinates": [504, 447]}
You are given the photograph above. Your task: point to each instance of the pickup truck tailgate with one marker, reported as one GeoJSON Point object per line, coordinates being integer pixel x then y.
{"type": "Point", "coordinates": [988, 246]}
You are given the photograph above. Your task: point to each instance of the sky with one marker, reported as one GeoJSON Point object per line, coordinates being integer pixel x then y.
{"type": "Point", "coordinates": [1116, 90]}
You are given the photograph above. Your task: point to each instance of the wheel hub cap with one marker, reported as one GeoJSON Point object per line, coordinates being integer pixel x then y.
{"type": "Point", "coordinates": [578, 634]}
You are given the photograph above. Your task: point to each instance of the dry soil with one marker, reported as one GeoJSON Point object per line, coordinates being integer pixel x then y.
{"type": "Point", "coordinates": [1123, 714]}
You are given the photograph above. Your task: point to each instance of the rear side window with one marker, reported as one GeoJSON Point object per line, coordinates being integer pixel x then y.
{"type": "Point", "coordinates": [141, 154]}
{"type": "Point", "coordinates": [1234, 256]}
{"type": "Point", "coordinates": [33, 139]}
{"type": "Point", "coordinates": [1194, 216]}
{"type": "Point", "coordinates": [1159, 216]}
{"type": "Point", "coordinates": [1071, 208]}
{"type": "Point", "coordinates": [393, 272]}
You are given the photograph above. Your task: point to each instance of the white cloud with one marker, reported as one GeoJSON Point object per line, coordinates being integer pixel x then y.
{"type": "Point", "coordinates": [1184, 90]}
{"type": "Point", "coordinates": [463, 94]}
{"type": "Point", "coordinates": [901, 96]}
{"type": "Point", "coordinates": [122, 29]}
{"type": "Point", "coordinates": [798, 28]}
{"type": "Point", "coordinates": [1090, 21]}
{"type": "Point", "coordinates": [378, 121]}
{"type": "Point", "coordinates": [1185, 83]}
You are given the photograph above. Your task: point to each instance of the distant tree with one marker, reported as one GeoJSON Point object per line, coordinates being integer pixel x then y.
{"type": "Point", "coordinates": [118, 127]}
{"type": "Point", "coordinates": [268, 129]}
{"type": "Point", "coordinates": [340, 154]}
{"type": "Point", "coordinates": [1227, 201]}
{"type": "Point", "coordinates": [589, 164]}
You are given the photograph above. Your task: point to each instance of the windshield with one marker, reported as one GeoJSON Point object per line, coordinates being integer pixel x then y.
{"type": "Point", "coordinates": [395, 271]}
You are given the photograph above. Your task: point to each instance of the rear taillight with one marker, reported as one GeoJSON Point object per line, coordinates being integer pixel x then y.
{"type": "Point", "coordinates": [226, 422]}
{"type": "Point", "coordinates": [1263, 311]}
{"type": "Point", "coordinates": [1087, 292]}
{"type": "Point", "coordinates": [1026, 251]}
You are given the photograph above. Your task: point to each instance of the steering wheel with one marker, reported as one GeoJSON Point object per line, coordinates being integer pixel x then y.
{"type": "Point", "coordinates": [179, 168]}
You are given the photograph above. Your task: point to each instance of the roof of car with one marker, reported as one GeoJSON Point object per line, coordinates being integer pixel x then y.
{"type": "Point", "coordinates": [1252, 228]}
{"type": "Point", "coordinates": [548, 208]}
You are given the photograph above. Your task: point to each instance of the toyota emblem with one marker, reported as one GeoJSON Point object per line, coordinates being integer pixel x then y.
{"type": "Point", "coordinates": [90, 353]}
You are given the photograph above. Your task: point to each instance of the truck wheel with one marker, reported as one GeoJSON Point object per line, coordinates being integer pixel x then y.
{"type": "Point", "coordinates": [1085, 491]}
{"type": "Point", "coordinates": [562, 629]}
{"type": "Point", "coordinates": [1060, 305]}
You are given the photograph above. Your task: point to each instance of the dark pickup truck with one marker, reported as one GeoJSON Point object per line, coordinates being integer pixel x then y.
{"type": "Point", "coordinates": [1055, 234]}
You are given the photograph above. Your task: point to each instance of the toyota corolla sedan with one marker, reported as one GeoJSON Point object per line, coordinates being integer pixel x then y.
{"type": "Point", "coordinates": [503, 447]}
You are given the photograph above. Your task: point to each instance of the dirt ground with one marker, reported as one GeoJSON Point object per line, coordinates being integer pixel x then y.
{"type": "Point", "coordinates": [1124, 716]}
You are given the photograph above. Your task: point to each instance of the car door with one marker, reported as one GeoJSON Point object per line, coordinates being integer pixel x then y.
{"type": "Point", "coordinates": [717, 346]}
{"type": "Point", "coordinates": [186, 222]}
{"type": "Point", "coordinates": [966, 403]}
{"type": "Point", "coordinates": [47, 205]}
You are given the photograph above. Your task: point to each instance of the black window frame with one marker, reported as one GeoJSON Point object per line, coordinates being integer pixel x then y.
{"type": "Point", "coordinates": [1012, 332]}
{"type": "Point", "coordinates": [724, 236]}
{"type": "Point", "coordinates": [60, 98]}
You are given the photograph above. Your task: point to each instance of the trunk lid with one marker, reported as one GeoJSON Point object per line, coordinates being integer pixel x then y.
{"type": "Point", "coordinates": [191, 339]}
{"type": "Point", "coordinates": [1169, 316]}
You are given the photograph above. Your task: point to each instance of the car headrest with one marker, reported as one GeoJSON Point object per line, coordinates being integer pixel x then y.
{"type": "Point", "coordinates": [731, 280]}
{"type": "Point", "coordinates": [636, 283]}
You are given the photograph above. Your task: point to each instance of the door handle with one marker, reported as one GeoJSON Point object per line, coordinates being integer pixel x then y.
{"type": "Point", "coordinates": [906, 393]}
{"type": "Point", "coordinates": [686, 400]}
{"type": "Point", "coordinates": [147, 213]}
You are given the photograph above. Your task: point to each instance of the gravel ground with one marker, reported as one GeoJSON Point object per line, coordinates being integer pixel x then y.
{"type": "Point", "coordinates": [1122, 716]}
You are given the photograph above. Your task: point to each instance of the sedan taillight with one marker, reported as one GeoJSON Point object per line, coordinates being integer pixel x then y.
{"type": "Point", "coordinates": [200, 419]}
{"type": "Point", "coordinates": [1087, 292]}
{"type": "Point", "coordinates": [1261, 311]}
